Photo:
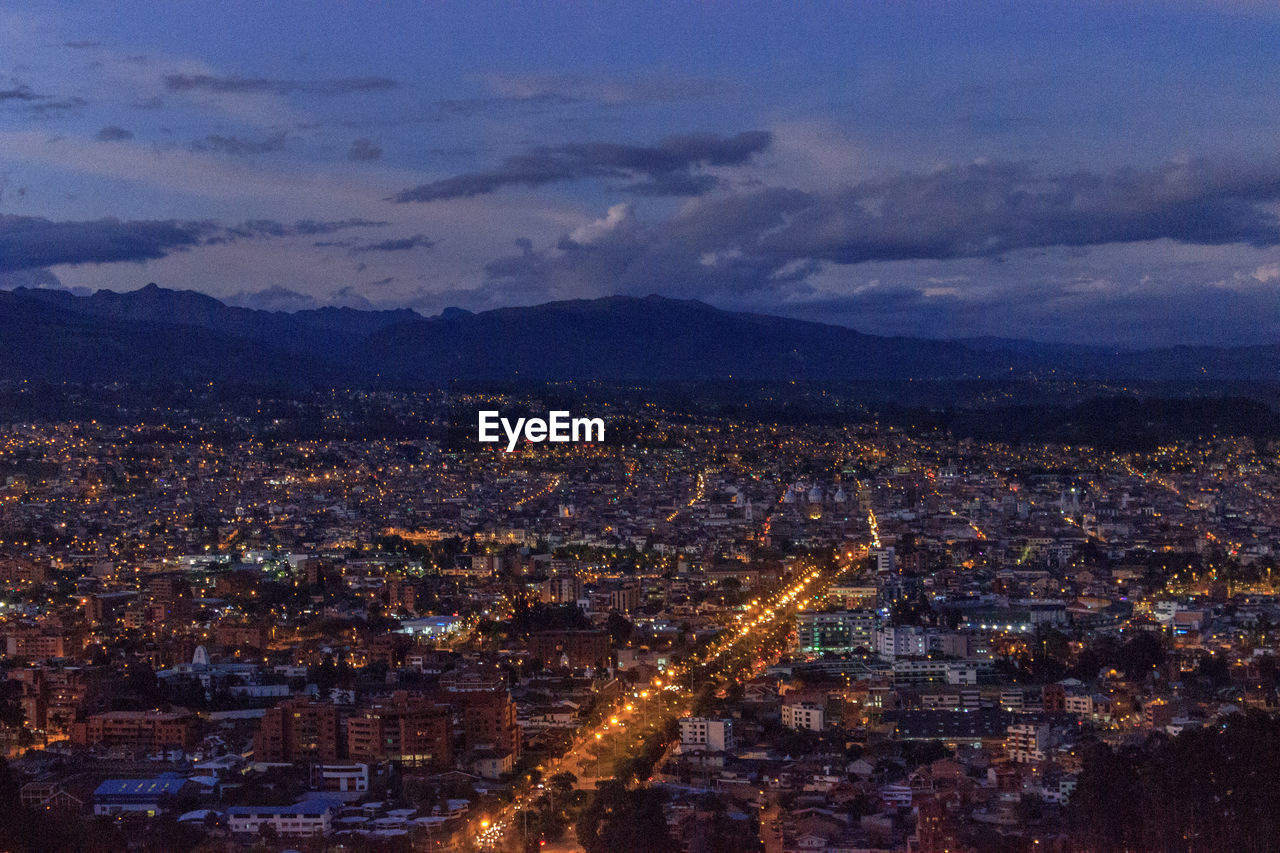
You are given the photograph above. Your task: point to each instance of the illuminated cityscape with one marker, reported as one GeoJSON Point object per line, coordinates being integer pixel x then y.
{"type": "Point", "coordinates": [638, 427]}
{"type": "Point", "coordinates": [880, 638]}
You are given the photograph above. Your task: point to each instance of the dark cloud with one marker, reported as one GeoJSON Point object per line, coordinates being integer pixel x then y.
{"type": "Point", "coordinates": [311, 226]}
{"type": "Point", "coordinates": [266, 228]}
{"type": "Point", "coordinates": [112, 133]}
{"type": "Point", "coordinates": [39, 105]}
{"type": "Point", "coordinates": [991, 209]}
{"type": "Point", "coordinates": [771, 241]}
{"type": "Point", "coordinates": [19, 93]}
{"type": "Point", "coordinates": [262, 85]}
{"type": "Point", "coordinates": [404, 244]}
{"type": "Point", "coordinates": [665, 162]}
{"type": "Point", "coordinates": [364, 149]}
{"type": "Point", "coordinates": [44, 107]}
{"type": "Point", "coordinates": [28, 242]}
{"type": "Point", "coordinates": [240, 147]}
{"type": "Point", "coordinates": [254, 228]}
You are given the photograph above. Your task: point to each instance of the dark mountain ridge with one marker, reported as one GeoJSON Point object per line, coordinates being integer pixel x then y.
{"type": "Point", "coordinates": [159, 335]}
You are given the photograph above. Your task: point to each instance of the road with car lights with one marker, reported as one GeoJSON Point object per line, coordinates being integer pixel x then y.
{"type": "Point", "coordinates": [753, 640]}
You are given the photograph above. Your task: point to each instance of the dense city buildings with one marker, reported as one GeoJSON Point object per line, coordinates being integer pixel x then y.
{"type": "Point", "coordinates": [844, 636]}
{"type": "Point", "coordinates": [507, 427]}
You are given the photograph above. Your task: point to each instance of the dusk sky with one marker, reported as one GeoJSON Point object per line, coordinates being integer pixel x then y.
{"type": "Point", "coordinates": [1097, 173]}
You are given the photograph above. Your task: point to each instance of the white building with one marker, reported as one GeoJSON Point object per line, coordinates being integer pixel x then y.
{"type": "Point", "coordinates": [304, 819]}
{"type": "Point", "coordinates": [898, 796]}
{"type": "Point", "coordinates": [902, 641]}
{"type": "Point", "coordinates": [1025, 743]}
{"type": "Point", "coordinates": [1165, 609]}
{"type": "Point", "coordinates": [962, 699]}
{"type": "Point", "coordinates": [432, 627]}
{"type": "Point", "coordinates": [346, 780]}
{"type": "Point", "coordinates": [886, 559]}
{"type": "Point", "coordinates": [701, 734]}
{"type": "Point", "coordinates": [1081, 705]}
{"type": "Point", "coordinates": [1014, 699]}
{"type": "Point", "coordinates": [803, 715]}
{"type": "Point", "coordinates": [958, 673]}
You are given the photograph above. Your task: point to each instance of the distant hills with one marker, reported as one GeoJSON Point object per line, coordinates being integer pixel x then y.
{"type": "Point", "coordinates": [160, 335]}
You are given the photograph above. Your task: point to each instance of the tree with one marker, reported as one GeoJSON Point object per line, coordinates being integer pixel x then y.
{"type": "Point", "coordinates": [24, 830]}
{"type": "Point", "coordinates": [267, 832]}
{"type": "Point", "coordinates": [619, 820]}
{"type": "Point", "coordinates": [619, 628]}
{"type": "Point", "coordinates": [12, 715]}
{"type": "Point", "coordinates": [562, 783]}
{"type": "Point", "coordinates": [1209, 789]}
{"type": "Point", "coordinates": [1105, 814]}
{"type": "Point", "coordinates": [1140, 654]}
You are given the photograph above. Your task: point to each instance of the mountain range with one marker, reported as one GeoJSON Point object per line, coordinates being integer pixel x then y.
{"type": "Point", "coordinates": [160, 335]}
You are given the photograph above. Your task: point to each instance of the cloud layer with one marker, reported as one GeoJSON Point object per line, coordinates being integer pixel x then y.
{"type": "Point", "coordinates": [771, 238]}
{"type": "Point", "coordinates": [31, 242]}
{"type": "Point", "coordinates": [1038, 176]}
{"type": "Point", "coordinates": [664, 168]}
{"type": "Point", "coordinates": [262, 85]}
{"type": "Point", "coordinates": [28, 242]}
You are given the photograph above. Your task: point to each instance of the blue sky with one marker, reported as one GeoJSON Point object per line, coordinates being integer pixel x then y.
{"type": "Point", "coordinates": [1102, 173]}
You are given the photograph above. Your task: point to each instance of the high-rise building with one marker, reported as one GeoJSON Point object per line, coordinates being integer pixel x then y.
{"type": "Point", "coordinates": [297, 730]}
{"type": "Point", "coordinates": [404, 727]}
{"type": "Point", "coordinates": [803, 715]}
{"type": "Point", "coordinates": [402, 595]}
{"type": "Point", "coordinates": [837, 631]}
{"type": "Point", "coordinates": [1026, 743]}
{"type": "Point", "coordinates": [903, 641]}
{"type": "Point", "coordinates": [489, 721]}
{"type": "Point", "coordinates": [562, 589]}
{"type": "Point", "coordinates": [625, 598]}
{"type": "Point", "coordinates": [169, 598]}
{"type": "Point", "coordinates": [702, 734]}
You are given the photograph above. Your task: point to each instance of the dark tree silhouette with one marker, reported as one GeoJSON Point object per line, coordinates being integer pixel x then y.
{"type": "Point", "coordinates": [1210, 789]}
{"type": "Point", "coordinates": [619, 820]}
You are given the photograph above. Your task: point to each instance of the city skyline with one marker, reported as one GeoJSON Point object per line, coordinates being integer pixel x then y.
{"type": "Point", "coordinates": [1097, 173]}
{"type": "Point", "coordinates": [709, 427]}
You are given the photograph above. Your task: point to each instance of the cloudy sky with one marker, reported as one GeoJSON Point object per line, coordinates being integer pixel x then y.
{"type": "Point", "coordinates": [1102, 173]}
